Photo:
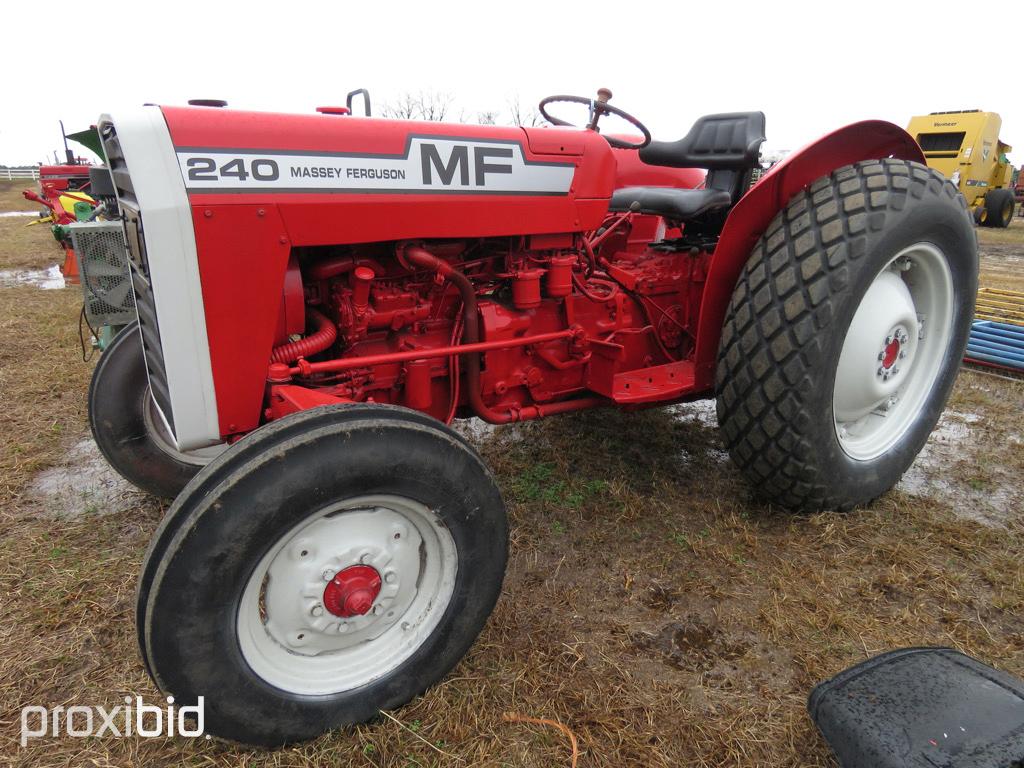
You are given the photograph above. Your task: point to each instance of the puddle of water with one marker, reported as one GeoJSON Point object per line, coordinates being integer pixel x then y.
{"type": "Point", "coordinates": [47, 279]}
{"type": "Point", "coordinates": [11, 214]}
{"type": "Point", "coordinates": [934, 475]}
{"type": "Point", "coordinates": [84, 483]}
{"type": "Point", "coordinates": [479, 432]}
{"type": "Point", "coordinates": [702, 411]}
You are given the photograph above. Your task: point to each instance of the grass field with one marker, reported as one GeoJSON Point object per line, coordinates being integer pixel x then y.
{"type": "Point", "coordinates": [651, 604]}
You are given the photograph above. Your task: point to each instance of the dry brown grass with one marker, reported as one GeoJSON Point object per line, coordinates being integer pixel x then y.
{"type": "Point", "coordinates": [11, 198]}
{"type": "Point", "coordinates": [1012, 235]}
{"type": "Point", "coordinates": [21, 246]}
{"type": "Point", "coordinates": [651, 605]}
{"type": "Point", "coordinates": [24, 247]}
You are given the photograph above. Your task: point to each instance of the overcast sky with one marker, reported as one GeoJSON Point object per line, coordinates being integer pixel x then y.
{"type": "Point", "coordinates": [810, 66]}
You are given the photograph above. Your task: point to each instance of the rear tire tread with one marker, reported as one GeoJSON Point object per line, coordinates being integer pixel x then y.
{"type": "Point", "coordinates": [784, 301]}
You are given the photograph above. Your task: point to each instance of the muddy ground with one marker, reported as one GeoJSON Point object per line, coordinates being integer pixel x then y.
{"type": "Point", "coordinates": [651, 604]}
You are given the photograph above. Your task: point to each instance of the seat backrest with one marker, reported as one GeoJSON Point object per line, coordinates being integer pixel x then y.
{"type": "Point", "coordinates": [727, 145]}
{"type": "Point", "coordinates": [727, 141]}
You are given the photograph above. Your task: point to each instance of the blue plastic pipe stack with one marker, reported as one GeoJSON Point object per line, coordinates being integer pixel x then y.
{"type": "Point", "coordinates": [995, 343]}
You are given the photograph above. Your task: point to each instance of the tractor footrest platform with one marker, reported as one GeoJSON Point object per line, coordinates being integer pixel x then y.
{"type": "Point", "coordinates": [659, 382]}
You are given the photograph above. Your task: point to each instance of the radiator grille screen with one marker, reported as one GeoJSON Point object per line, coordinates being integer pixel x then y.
{"type": "Point", "coordinates": [103, 263]}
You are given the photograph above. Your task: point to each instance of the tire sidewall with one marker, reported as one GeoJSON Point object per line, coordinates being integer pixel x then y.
{"type": "Point", "coordinates": [248, 513]}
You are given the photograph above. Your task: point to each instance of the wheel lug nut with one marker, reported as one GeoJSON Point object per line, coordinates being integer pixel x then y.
{"type": "Point", "coordinates": [377, 610]}
{"type": "Point", "coordinates": [318, 610]}
{"type": "Point", "coordinates": [328, 575]}
{"type": "Point", "coordinates": [390, 577]}
{"type": "Point", "coordinates": [902, 355]}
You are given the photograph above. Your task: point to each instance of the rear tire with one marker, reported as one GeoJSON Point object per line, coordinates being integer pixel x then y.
{"type": "Point", "coordinates": [126, 425]}
{"type": "Point", "coordinates": [231, 603]}
{"type": "Point", "coordinates": [892, 236]}
{"type": "Point", "coordinates": [999, 204]}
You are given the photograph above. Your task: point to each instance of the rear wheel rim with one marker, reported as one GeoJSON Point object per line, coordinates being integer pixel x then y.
{"type": "Point", "coordinates": [893, 352]}
{"type": "Point", "coordinates": [293, 641]}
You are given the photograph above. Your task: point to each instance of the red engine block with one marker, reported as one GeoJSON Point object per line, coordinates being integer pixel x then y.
{"type": "Point", "coordinates": [555, 318]}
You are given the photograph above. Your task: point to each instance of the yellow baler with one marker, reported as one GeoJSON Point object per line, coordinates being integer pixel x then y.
{"type": "Point", "coordinates": [965, 148]}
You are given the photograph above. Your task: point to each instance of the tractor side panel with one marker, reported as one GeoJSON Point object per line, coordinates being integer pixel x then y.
{"type": "Point", "coordinates": [343, 180]}
{"type": "Point", "coordinates": [631, 171]}
{"type": "Point", "coordinates": [867, 140]}
{"type": "Point", "coordinates": [243, 254]}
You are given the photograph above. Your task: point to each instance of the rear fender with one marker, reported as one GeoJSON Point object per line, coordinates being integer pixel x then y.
{"type": "Point", "coordinates": [867, 140]}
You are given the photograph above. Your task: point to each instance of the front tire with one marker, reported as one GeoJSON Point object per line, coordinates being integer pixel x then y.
{"type": "Point", "coordinates": [331, 564]}
{"type": "Point", "coordinates": [127, 427]}
{"type": "Point", "coordinates": [999, 204]}
{"type": "Point", "coordinates": [845, 333]}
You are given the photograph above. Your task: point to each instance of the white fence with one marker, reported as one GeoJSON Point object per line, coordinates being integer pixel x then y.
{"type": "Point", "coordinates": [19, 173]}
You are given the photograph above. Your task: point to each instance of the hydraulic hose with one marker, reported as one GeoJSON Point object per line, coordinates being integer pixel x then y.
{"type": "Point", "coordinates": [319, 340]}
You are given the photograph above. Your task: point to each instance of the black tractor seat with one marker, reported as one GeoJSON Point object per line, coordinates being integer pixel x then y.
{"type": "Point", "coordinates": [727, 145]}
{"type": "Point", "coordinates": [670, 202]}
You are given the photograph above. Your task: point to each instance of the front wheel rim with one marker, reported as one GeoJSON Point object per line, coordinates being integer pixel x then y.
{"type": "Point", "coordinates": [893, 352]}
{"type": "Point", "coordinates": [301, 632]}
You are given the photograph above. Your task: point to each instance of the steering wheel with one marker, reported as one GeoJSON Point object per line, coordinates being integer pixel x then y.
{"type": "Point", "coordinates": [598, 107]}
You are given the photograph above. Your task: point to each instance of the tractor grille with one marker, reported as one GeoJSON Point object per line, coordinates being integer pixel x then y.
{"type": "Point", "coordinates": [106, 281]}
{"type": "Point", "coordinates": [145, 303]}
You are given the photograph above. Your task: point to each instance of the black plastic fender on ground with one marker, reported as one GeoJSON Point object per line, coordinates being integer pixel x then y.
{"type": "Point", "coordinates": [230, 515]}
{"type": "Point", "coordinates": [922, 708]}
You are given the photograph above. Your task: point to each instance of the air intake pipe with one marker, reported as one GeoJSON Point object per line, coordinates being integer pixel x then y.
{"type": "Point", "coordinates": [325, 334]}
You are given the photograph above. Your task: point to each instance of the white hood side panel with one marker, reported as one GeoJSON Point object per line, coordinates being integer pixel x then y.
{"type": "Point", "coordinates": [174, 272]}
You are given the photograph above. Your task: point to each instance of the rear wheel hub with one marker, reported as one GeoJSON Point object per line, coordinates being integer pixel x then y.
{"type": "Point", "coordinates": [893, 351]}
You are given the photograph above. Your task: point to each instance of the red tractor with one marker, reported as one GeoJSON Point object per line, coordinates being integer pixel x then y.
{"type": "Point", "coordinates": [320, 295]}
{"type": "Point", "coordinates": [62, 191]}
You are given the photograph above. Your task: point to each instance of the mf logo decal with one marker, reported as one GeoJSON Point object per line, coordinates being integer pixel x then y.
{"type": "Point", "coordinates": [430, 164]}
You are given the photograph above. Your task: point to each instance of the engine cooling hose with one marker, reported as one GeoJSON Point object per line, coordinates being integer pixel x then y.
{"type": "Point", "coordinates": [319, 340]}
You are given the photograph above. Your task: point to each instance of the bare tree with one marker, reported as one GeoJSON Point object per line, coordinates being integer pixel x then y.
{"type": "Point", "coordinates": [403, 108]}
{"type": "Point", "coordinates": [425, 105]}
{"type": "Point", "coordinates": [522, 116]}
{"type": "Point", "coordinates": [489, 117]}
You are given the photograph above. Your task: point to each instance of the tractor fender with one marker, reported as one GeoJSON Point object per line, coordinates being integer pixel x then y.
{"type": "Point", "coordinates": [866, 140]}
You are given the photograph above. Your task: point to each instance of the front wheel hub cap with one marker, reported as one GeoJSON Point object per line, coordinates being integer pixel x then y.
{"type": "Point", "coordinates": [352, 591]}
